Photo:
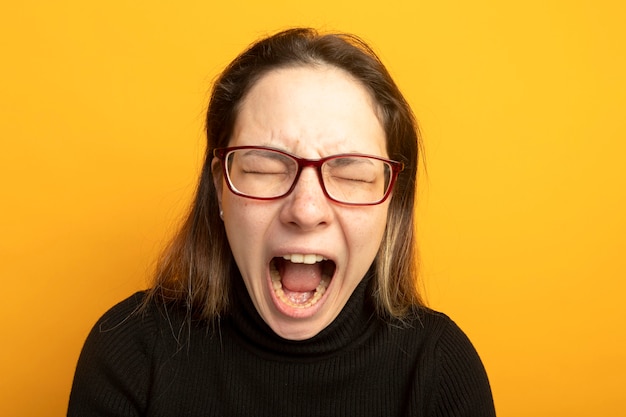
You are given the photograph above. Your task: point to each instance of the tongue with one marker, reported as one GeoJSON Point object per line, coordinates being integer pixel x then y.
{"type": "Point", "coordinates": [300, 277]}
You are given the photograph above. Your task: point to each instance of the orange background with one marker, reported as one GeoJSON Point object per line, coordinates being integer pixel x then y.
{"type": "Point", "coordinates": [522, 225]}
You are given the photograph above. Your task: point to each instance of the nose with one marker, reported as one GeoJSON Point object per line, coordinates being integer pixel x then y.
{"type": "Point", "coordinates": [307, 207]}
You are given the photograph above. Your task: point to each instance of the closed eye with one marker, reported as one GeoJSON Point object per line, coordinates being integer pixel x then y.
{"type": "Point", "coordinates": [352, 169]}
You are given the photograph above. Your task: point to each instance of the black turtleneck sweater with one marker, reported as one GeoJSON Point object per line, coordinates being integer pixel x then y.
{"type": "Point", "coordinates": [156, 363]}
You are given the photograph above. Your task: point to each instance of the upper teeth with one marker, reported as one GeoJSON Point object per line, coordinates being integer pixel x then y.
{"type": "Point", "coordinates": [299, 258]}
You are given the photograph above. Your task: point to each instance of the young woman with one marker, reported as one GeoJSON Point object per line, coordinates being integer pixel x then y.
{"type": "Point", "coordinates": [291, 288]}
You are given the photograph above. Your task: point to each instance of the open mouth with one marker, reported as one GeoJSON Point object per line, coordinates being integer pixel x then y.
{"type": "Point", "coordinates": [300, 280]}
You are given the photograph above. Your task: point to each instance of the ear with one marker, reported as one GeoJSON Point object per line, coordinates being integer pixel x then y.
{"type": "Point", "coordinates": [218, 180]}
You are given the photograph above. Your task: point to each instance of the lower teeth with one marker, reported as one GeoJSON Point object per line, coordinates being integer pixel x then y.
{"type": "Point", "coordinates": [301, 300]}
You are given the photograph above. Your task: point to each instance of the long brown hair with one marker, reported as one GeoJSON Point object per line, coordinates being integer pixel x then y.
{"type": "Point", "coordinates": [195, 269]}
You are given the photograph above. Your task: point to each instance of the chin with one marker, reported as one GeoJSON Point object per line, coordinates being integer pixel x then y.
{"type": "Point", "coordinates": [297, 331]}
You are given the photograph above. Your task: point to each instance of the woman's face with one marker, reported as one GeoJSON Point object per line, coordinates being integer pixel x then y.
{"type": "Point", "coordinates": [311, 112]}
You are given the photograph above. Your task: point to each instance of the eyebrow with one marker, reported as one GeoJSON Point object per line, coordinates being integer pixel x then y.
{"type": "Point", "coordinates": [270, 153]}
{"type": "Point", "coordinates": [351, 159]}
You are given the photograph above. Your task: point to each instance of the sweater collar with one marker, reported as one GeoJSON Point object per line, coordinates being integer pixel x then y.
{"type": "Point", "coordinates": [352, 325]}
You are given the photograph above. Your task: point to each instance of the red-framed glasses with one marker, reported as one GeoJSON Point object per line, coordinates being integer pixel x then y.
{"type": "Point", "coordinates": [264, 173]}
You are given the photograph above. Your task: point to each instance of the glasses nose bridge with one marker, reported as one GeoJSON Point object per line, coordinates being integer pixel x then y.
{"type": "Point", "coordinates": [316, 164]}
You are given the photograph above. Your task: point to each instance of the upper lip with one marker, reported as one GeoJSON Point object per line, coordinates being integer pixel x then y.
{"type": "Point", "coordinates": [283, 253]}
{"type": "Point", "coordinates": [317, 256]}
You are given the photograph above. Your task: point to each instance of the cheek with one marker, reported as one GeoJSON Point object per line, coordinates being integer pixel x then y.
{"type": "Point", "coordinates": [368, 229]}
{"type": "Point", "coordinates": [237, 209]}
{"type": "Point", "coordinates": [236, 219]}
{"type": "Point", "coordinates": [246, 225]}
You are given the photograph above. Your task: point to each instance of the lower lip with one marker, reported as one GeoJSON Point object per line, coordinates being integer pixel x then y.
{"type": "Point", "coordinates": [296, 312]}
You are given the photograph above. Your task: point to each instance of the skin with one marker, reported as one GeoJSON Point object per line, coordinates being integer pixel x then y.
{"type": "Point", "coordinates": [311, 112]}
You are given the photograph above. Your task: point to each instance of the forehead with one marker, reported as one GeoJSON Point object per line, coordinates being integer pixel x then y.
{"type": "Point", "coordinates": [318, 109]}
